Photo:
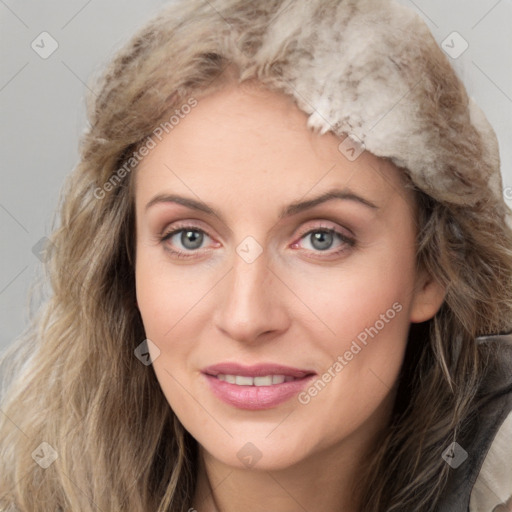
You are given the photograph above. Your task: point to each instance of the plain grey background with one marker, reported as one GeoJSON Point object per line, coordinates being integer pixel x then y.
{"type": "Point", "coordinates": [43, 114]}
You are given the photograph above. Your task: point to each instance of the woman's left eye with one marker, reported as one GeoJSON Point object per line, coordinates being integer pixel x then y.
{"type": "Point", "coordinates": [322, 239]}
{"type": "Point", "coordinates": [191, 238]}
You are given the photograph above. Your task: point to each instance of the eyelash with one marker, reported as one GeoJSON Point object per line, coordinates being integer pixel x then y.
{"type": "Point", "coordinates": [347, 241]}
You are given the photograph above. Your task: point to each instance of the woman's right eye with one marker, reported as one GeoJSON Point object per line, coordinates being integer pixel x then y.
{"type": "Point", "coordinates": [190, 237]}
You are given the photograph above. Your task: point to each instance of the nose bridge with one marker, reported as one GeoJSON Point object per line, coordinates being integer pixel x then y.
{"type": "Point", "coordinates": [249, 286]}
{"type": "Point", "coordinates": [248, 307]}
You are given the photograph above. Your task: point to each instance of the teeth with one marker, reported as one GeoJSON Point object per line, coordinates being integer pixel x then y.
{"type": "Point", "coordinates": [263, 381]}
{"type": "Point", "coordinates": [242, 380]}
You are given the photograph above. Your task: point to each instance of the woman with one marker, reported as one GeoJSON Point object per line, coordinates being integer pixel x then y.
{"type": "Point", "coordinates": [282, 279]}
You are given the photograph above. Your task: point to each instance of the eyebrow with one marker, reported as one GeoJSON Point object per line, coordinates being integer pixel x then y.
{"type": "Point", "coordinates": [288, 211]}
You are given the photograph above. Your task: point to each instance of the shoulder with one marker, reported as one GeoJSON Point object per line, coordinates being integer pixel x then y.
{"type": "Point", "coordinates": [492, 491]}
{"type": "Point", "coordinates": [493, 486]}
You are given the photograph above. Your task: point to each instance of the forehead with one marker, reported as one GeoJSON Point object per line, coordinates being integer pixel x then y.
{"type": "Point", "coordinates": [247, 141]}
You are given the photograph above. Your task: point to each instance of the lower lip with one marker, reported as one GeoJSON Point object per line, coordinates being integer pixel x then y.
{"type": "Point", "coordinates": [256, 397]}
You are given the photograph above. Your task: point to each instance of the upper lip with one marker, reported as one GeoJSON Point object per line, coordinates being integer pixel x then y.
{"type": "Point", "coordinates": [257, 370]}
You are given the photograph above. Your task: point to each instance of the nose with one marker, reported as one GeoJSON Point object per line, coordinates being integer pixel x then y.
{"type": "Point", "coordinates": [251, 304]}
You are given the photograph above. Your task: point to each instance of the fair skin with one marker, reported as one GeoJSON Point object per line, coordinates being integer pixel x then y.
{"type": "Point", "coordinates": [247, 153]}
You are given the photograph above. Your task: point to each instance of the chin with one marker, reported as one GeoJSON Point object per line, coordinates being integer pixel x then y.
{"type": "Point", "coordinates": [257, 455]}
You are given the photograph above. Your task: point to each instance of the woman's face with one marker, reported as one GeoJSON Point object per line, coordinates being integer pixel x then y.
{"type": "Point", "coordinates": [263, 284]}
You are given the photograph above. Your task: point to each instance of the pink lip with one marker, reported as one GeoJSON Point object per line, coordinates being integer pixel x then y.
{"type": "Point", "coordinates": [256, 397]}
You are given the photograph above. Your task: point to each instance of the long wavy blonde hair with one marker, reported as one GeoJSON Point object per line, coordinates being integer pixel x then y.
{"type": "Point", "coordinates": [72, 380]}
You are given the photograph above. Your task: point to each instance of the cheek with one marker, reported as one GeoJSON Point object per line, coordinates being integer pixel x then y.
{"type": "Point", "coordinates": [175, 304]}
{"type": "Point", "coordinates": [166, 302]}
{"type": "Point", "coordinates": [366, 310]}
{"type": "Point", "coordinates": [372, 287]}
{"type": "Point", "coordinates": [165, 292]}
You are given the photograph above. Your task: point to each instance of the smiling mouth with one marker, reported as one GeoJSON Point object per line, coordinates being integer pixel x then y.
{"type": "Point", "coordinates": [257, 392]}
{"type": "Point", "coordinates": [258, 386]}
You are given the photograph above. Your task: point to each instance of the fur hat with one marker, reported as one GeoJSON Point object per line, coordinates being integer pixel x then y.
{"type": "Point", "coordinates": [371, 69]}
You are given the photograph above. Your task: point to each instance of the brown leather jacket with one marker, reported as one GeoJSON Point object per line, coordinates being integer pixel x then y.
{"type": "Point", "coordinates": [483, 481]}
